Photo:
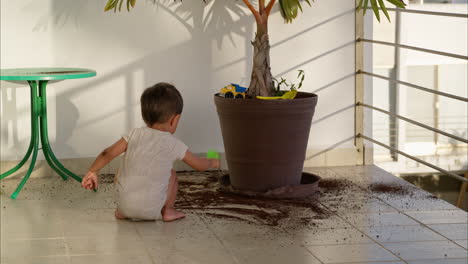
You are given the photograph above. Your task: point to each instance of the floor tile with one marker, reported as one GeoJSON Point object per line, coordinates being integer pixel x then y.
{"type": "Point", "coordinates": [290, 254]}
{"type": "Point", "coordinates": [309, 219]}
{"type": "Point", "coordinates": [439, 261]}
{"type": "Point", "coordinates": [385, 234]}
{"type": "Point", "coordinates": [452, 231]}
{"type": "Point", "coordinates": [57, 222]}
{"type": "Point", "coordinates": [104, 244]}
{"type": "Point", "coordinates": [37, 260]}
{"type": "Point", "coordinates": [379, 262]}
{"type": "Point", "coordinates": [362, 205]}
{"type": "Point", "coordinates": [440, 216]}
{"type": "Point", "coordinates": [71, 215]}
{"type": "Point", "coordinates": [462, 242]}
{"type": "Point", "coordinates": [427, 250]}
{"type": "Point", "coordinates": [351, 253]}
{"type": "Point", "coordinates": [246, 235]}
{"type": "Point", "coordinates": [180, 228]}
{"type": "Point", "coordinates": [83, 229]}
{"type": "Point", "coordinates": [332, 236]}
{"type": "Point", "coordinates": [366, 174]}
{"type": "Point", "coordinates": [378, 219]}
{"type": "Point", "coordinates": [422, 203]}
{"type": "Point", "coordinates": [33, 247]}
{"type": "Point", "coordinates": [194, 249]}
{"type": "Point", "coordinates": [126, 258]}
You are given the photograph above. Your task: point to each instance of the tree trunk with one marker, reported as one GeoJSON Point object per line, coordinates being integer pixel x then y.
{"type": "Point", "coordinates": [261, 82]}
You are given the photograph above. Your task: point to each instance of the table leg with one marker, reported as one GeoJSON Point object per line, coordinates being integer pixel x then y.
{"type": "Point", "coordinates": [34, 138]}
{"type": "Point", "coordinates": [48, 153]}
{"type": "Point", "coordinates": [33, 86]}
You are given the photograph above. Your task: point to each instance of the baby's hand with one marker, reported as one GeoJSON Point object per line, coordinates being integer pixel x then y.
{"type": "Point", "coordinates": [90, 181]}
{"type": "Point", "coordinates": [213, 158]}
{"type": "Point", "coordinates": [214, 163]}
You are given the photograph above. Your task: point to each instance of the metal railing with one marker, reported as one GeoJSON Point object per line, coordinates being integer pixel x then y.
{"type": "Point", "coordinates": [359, 97]}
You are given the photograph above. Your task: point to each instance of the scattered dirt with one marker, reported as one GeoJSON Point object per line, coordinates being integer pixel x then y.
{"type": "Point", "coordinates": [394, 189]}
{"type": "Point", "coordinates": [106, 178]}
{"type": "Point", "coordinates": [335, 184]}
{"type": "Point", "coordinates": [209, 196]}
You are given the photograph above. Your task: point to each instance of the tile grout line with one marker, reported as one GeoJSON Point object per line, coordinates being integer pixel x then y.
{"type": "Point", "coordinates": [414, 219]}
{"type": "Point", "coordinates": [371, 238]}
{"type": "Point", "coordinates": [141, 238]}
{"type": "Point", "coordinates": [214, 233]}
{"type": "Point", "coordinates": [305, 247]}
{"type": "Point", "coordinates": [62, 229]}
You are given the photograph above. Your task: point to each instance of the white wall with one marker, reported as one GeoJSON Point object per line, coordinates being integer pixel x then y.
{"type": "Point", "coordinates": [198, 47]}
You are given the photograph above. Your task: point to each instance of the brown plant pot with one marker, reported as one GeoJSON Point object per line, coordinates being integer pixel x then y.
{"type": "Point", "coordinates": [265, 140]}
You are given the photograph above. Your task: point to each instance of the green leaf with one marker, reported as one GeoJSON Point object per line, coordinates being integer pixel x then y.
{"type": "Point", "coordinates": [115, 5]}
{"type": "Point", "coordinates": [360, 4]}
{"type": "Point", "coordinates": [397, 3]}
{"type": "Point", "coordinates": [109, 5]}
{"type": "Point", "coordinates": [384, 9]}
{"type": "Point", "coordinates": [285, 9]}
{"type": "Point", "coordinates": [366, 2]}
{"type": "Point", "coordinates": [290, 9]}
{"type": "Point", "coordinates": [375, 7]}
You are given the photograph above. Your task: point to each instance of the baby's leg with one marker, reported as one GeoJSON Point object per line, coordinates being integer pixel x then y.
{"type": "Point", "coordinates": [168, 212]}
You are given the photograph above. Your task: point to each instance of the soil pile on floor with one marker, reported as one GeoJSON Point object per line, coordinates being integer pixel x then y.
{"type": "Point", "coordinates": [390, 189]}
{"type": "Point", "coordinates": [207, 193]}
{"type": "Point", "coordinates": [336, 185]}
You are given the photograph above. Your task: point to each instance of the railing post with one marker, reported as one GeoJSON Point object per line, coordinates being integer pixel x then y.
{"type": "Point", "coordinates": [359, 86]}
{"type": "Point", "coordinates": [394, 130]}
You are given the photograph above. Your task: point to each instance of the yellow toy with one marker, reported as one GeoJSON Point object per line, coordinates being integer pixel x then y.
{"type": "Point", "coordinates": [234, 91]}
{"type": "Point", "coordinates": [287, 95]}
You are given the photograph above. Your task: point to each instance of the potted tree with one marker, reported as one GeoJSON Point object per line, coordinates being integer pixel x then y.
{"type": "Point", "coordinates": [266, 140]}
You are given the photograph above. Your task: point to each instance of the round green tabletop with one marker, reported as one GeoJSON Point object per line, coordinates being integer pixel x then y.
{"type": "Point", "coordinates": [32, 74]}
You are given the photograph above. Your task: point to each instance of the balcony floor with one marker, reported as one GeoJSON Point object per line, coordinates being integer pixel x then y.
{"type": "Point", "coordinates": [360, 221]}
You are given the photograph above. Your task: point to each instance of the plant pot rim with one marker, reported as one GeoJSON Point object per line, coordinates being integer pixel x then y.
{"type": "Point", "coordinates": [301, 97]}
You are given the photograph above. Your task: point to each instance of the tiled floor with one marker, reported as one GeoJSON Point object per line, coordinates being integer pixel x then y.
{"type": "Point", "coordinates": [55, 221]}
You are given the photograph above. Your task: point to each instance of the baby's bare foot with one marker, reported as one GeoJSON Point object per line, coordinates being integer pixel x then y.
{"type": "Point", "coordinates": [171, 214]}
{"type": "Point", "coordinates": [119, 216]}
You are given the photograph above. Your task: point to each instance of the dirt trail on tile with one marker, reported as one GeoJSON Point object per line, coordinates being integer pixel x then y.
{"type": "Point", "coordinates": [208, 193]}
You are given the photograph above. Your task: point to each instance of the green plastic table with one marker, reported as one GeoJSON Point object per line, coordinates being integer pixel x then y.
{"type": "Point", "coordinates": [38, 79]}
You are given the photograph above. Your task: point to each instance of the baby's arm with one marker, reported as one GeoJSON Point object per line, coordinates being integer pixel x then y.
{"type": "Point", "coordinates": [90, 180]}
{"type": "Point", "coordinates": [200, 164]}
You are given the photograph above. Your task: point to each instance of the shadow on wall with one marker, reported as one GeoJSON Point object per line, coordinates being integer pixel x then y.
{"type": "Point", "coordinates": [67, 119]}
{"type": "Point", "coordinates": [205, 24]}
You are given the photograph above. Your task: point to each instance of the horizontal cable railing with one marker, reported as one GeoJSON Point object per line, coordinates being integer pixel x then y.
{"type": "Point", "coordinates": [446, 54]}
{"type": "Point", "coordinates": [414, 122]}
{"type": "Point", "coordinates": [397, 45]}
{"type": "Point", "coordinates": [424, 12]}
{"type": "Point", "coordinates": [414, 158]}
{"type": "Point", "coordinates": [414, 86]}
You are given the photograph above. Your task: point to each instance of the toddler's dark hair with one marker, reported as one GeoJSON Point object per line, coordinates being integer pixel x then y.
{"type": "Point", "coordinates": [159, 102]}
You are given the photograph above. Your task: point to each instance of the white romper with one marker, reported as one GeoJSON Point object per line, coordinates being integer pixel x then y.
{"type": "Point", "coordinates": [145, 170]}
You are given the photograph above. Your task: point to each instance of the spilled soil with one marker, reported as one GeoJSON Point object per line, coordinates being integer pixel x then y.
{"type": "Point", "coordinates": [399, 190]}
{"type": "Point", "coordinates": [209, 194]}
{"type": "Point", "coordinates": [389, 188]}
